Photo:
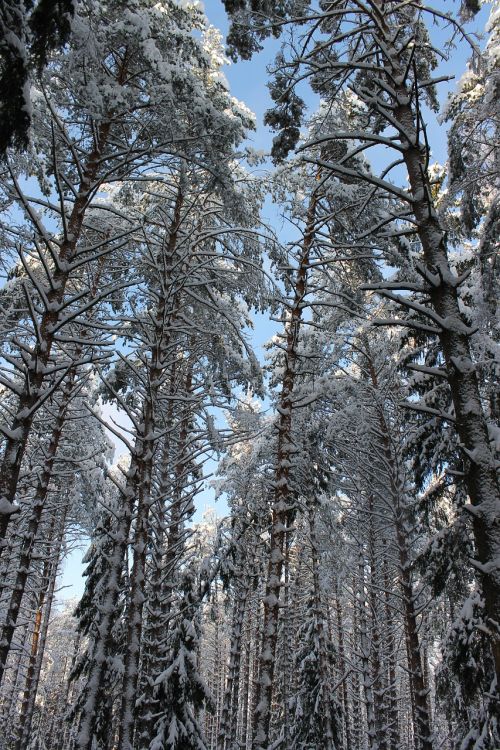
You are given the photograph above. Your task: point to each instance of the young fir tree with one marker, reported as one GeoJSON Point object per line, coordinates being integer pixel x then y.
{"type": "Point", "coordinates": [179, 689]}
{"type": "Point", "coordinates": [309, 710]}
{"type": "Point", "coordinates": [96, 560]}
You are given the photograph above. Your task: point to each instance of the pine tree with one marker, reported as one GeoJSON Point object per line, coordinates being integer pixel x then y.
{"type": "Point", "coordinates": [387, 59]}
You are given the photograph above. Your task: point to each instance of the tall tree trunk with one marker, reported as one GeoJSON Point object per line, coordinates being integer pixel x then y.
{"type": "Point", "coordinates": [9, 701]}
{"type": "Point", "coordinates": [39, 640]}
{"type": "Point", "coordinates": [329, 722]}
{"type": "Point", "coordinates": [158, 604]}
{"type": "Point", "coordinates": [227, 728]}
{"type": "Point", "coordinates": [454, 335]}
{"type": "Point", "coordinates": [287, 631]}
{"type": "Point", "coordinates": [31, 397]}
{"type": "Point", "coordinates": [256, 665]}
{"type": "Point", "coordinates": [63, 734]}
{"type": "Point", "coordinates": [393, 737]}
{"type": "Point", "coordinates": [137, 582]}
{"type": "Point", "coordinates": [419, 689]}
{"type": "Point", "coordinates": [365, 652]}
{"type": "Point", "coordinates": [28, 537]}
{"type": "Point", "coordinates": [375, 642]}
{"type": "Point", "coordinates": [176, 538]}
{"type": "Point", "coordinates": [217, 680]}
{"type": "Point", "coordinates": [246, 693]}
{"type": "Point", "coordinates": [346, 710]}
{"type": "Point", "coordinates": [357, 723]}
{"type": "Point", "coordinates": [283, 504]}
{"type": "Point", "coordinates": [157, 607]}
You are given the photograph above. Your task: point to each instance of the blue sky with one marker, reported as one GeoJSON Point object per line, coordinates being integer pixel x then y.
{"type": "Point", "coordinates": [247, 79]}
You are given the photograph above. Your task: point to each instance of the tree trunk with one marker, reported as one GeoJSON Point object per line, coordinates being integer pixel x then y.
{"type": "Point", "coordinates": [64, 732]}
{"type": "Point", "coordinates": [365, 652]}
{"type": "Point", "coordinates": [357, 723]}
{"type": "Point", "coordinates": [31, 397]}
{"type": "Point", "coordinates": [328, 720]}
{"type": "Point", "coordinates": [29, 535]}
{"type": "Point", "coordinates": [346, 710]}
{"type": "Point", "coordinates": [227, 728]}
{"type": "Point", "coordinates": [246, 692]}
{"type": "Point", "coordinates": [136, 599]}
{"type": "Point", "coordinates": [454, 335]}
{"type": "Point", "coordinates": [393, 737]}
{"type": "Point", "coordinates": [173, 553]}
{"type": "Point", "coordinates": [375, 643]}
{"type": "Point", "coordinates": [283, 505]}
{"type": "Point", "coordinates": [42, 620]}
{"type": "Point", "coordinates": [8, 703]}
{"type": "Point", "coordinates": [419, 689]}
{"type": "Point", "coordinates": [158, 604]}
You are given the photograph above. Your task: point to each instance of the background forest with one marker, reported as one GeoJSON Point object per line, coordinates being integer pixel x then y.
{"type": "Point", "coordinates": [347, 596]}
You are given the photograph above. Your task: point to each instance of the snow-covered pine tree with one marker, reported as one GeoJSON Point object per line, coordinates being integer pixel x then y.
{"type": "Point", "coordinates": [86, 124]}
{"type": "Point", "coordinates": [387, 59]}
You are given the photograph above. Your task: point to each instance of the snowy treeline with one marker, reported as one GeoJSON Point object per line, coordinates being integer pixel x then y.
{"type": "Point", "coordinates": [350, 598]}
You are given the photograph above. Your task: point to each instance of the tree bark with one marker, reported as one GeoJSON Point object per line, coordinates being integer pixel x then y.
{"type": "Point", "coordinates": [357, 724]}
{"type": "Point", "coordinates": [39, 638]}
{"type": "Point", "coordinates": [365, 652]}
{"type": "Point", "coordinates": [9, 702]}
{"type": "Point", "coordinates": [283, 505]}
{"type": "Point", "coordinates": [346, 708]}
{"type": "Point", "coordinates": [393, 736]}
{"type": "Point", "coordinates": [158, 604]}
{"type": "Point", "coordinates": [375, 640]}
{"type": "Point", "coordinates": [328, 720]}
